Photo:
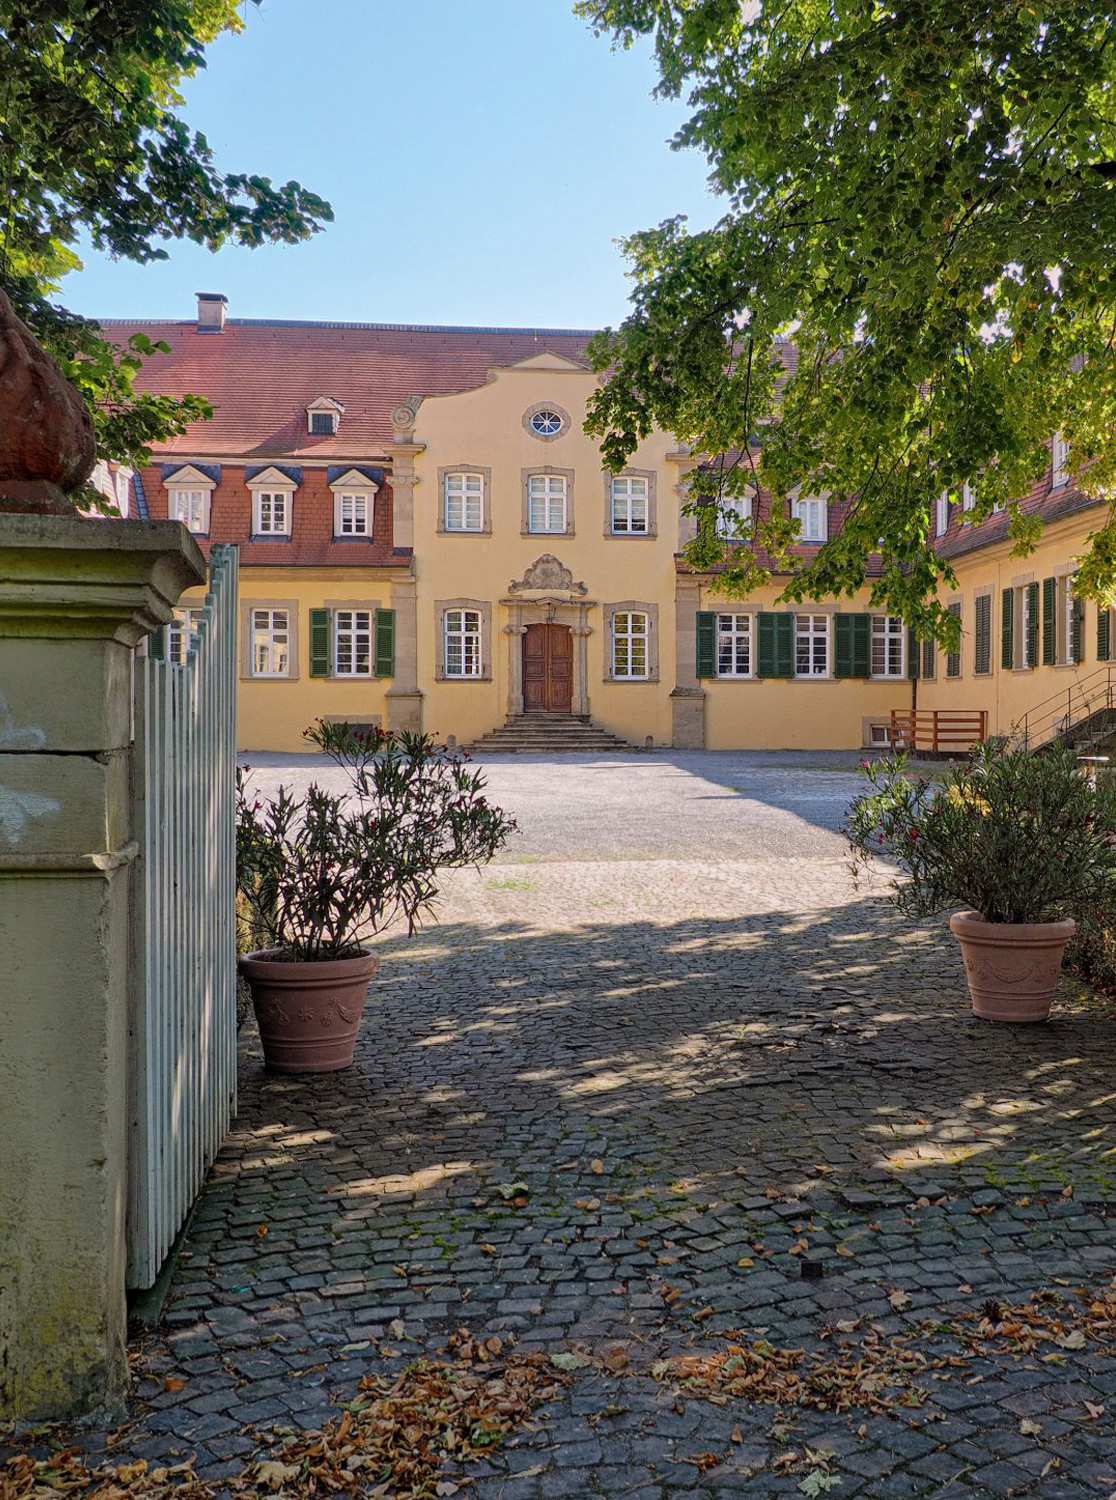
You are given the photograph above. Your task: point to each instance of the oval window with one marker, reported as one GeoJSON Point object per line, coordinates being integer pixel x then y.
{"type": "Point", "coordinates": [546, 423]}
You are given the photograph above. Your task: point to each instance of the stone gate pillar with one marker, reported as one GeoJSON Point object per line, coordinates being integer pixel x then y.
{"type": "Point", "coordinates": [75, 598]}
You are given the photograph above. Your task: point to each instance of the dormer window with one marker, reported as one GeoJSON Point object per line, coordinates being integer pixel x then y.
{"type": "Point", "coordinates": [354, 495]}
{"type": "Point", "coordinates": [272, 505]}
{"type": "Point", "coordinates": [189, 496]}
{"type": "Point", "coordinates": [323, 417]}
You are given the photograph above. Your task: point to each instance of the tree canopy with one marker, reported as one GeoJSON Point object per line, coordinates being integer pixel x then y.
{"type": "Point", "coordinates": [920, 197]}
{"type": "Point", "coordinates": [91, 139]}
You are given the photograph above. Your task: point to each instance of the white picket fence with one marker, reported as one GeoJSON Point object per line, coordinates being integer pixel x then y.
{"type": "Point", "coordinates": [182, 1063]}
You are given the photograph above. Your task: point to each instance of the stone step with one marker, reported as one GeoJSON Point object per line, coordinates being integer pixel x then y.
{"type": "Point", "coordinates": [549, 734]}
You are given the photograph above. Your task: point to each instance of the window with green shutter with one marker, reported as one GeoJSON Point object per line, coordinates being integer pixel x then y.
{"type": "Point", "coordinates": [852, 645]}
{"type": "Point", "coordinates": [929, 658]}
{"type": "Point", "coordinates": [321, 628]}
{"type": "Point", "coordinates": [953, 658]}
{"type": "Point", "coordinates": [1032, 622]}
{"type": "Point", "coordinates": [1104, 634]}
{"type": "Point", "coordinates": [1007, 630]}
{"type": "Point", "coordinates": [776, 644]}
{"type": "Point", "coordinates": [912, 655]}
{"type": "Point", "coordinates": [1077, 631]}
{"type": "Point", "coordinates": [982, 634]}
{"type": "Point", "coordinates": [706, 643]}
{"type": "Point", "coordinates": [1049, 621]}
{"type": "Point", "coordinates": [385, 643]}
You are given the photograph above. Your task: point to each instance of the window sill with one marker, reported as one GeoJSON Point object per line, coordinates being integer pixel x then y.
{"type": "Point", "coordinates": [632, 536]}
{"type": "Point", "coordinates": [464, 531]}
{"type": "Point", "coordinates": [526, 531]}
{"type": "Point", "coordinates": [632, 681]}
{"type": "Point", "coordinates": [267, 677]}
{"type": "Point", "coordinates": [350, 536]}
{"type": "Point", "coordinates": [270, 536]}
{"type": "Point", "coordinates": [450, 677]}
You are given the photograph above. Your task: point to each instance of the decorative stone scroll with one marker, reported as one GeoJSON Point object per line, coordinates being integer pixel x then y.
{"type": "Point", "coordinates": [546, 572]}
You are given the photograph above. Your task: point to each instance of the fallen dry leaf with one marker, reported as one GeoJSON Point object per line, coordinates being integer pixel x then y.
{"type": "Point", "coordinates": [899, 1299]}
{"type": "Point", "coordinates": [596, 1166]}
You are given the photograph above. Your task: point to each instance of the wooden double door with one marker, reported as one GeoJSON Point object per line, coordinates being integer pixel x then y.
{"type": "Point", "coordinates": [548, 669]}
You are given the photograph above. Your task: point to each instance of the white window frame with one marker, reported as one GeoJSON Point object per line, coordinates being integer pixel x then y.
{"type": "Point", "coordinates": [462, 644]}
{"type": "Point", "coordinates": [943, 513]}
{"type": "Point", "coordinates": [1023, 655]}
{"type": "Point", "coordinates": [888, 631]}
{"type": "Point", "coordinates": [324, 406]}
{"type": "Point", "coordinates": [190, 505]}
{"type": "Point", "coordinates": [811, 628]}
{"type": "Point", "coordinates": [354, 628]}
{"type": "Point", "coordinates": [361, 504]}
{"type": "Point", "coordinates": [626, 493]}
{"type": "Point", "coordinates": [272, 628]}
{"type": "Point", "coordinates": [1059, 462]}
{"type": "Point", "coordinates": [738, 506]}
{"type": "Point", "coordinates": [552, 488]}
{"type": "Point", "coordinates": [180, 633]}
{"type": "Point", "coordinates": [812, 513]}
{"type": "Point", "coordinates": [968, 499]}
{"type": "Point", "coordinates": [265, 502]}
{"type": "Point", "coordinates": [626, 638]}
{"type": "Point", "coordinates": [735, 639]}
{"type": "Point", "coordinates": [456, 488]}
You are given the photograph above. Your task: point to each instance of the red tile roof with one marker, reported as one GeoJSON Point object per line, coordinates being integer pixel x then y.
{"type": "Point", "coordinates": [261, 375]}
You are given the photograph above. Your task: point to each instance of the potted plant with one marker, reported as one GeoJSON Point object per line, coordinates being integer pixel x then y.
{"type": "Point", "coordinates": [1020, 839]}
{"type": "Point", "coordinates": [318, 875]}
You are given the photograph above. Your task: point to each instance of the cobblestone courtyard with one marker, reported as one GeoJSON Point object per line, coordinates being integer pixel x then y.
{"type": "Point", "coordinates": [627, 1097]}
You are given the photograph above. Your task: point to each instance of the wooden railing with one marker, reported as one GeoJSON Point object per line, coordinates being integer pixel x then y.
{"type": "Point", "coordinates": [938, 729]}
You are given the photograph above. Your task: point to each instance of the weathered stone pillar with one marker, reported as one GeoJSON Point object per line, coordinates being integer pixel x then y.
{"type": "Point", "coordinates": [581, 632]}
{"type": "Point", "coordinates": [75, 597]}
{"type": "Point", "coordinates": [404, 697]}
{"type": "Point", "coordinates": [687, 701]}
{"type": "Point", "coordinates": [515, 630]}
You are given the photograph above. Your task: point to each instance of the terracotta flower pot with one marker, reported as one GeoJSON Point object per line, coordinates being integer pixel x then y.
{"type": "Point", "coordinates": [308, 1013]}
{"type": "Point", "coordinates": [1012, 966]}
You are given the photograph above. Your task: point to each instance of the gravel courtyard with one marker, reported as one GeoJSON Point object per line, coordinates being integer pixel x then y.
{"type": "Point", "coordinates": [663, 1096]}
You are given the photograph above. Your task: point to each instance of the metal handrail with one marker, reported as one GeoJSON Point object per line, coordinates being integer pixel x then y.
{"type": "Point", "coordinates": [1068, 707]}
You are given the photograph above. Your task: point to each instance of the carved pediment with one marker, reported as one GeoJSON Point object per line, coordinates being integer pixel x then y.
{"type": "Point", "coordinates": [546, 572]}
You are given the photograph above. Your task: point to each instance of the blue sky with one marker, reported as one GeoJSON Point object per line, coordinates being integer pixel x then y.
{"type": "Point", "coordinates": [481, 157]}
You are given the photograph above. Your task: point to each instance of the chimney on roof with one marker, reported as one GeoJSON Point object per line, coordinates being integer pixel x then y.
{"type": "Point", "coordinates": [211, 312]}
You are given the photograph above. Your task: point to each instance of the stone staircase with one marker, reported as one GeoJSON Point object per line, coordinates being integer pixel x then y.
{"type": "Point", "coordinates": [548, 734]}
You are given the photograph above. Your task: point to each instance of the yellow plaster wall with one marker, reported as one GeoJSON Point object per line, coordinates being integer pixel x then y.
{"type": "Point", "coordinates": [484, 428]}
{"type": "Point", "coordinates": [788, 713]}
{"type": "Point", "coordinates": [1011, 695]}
{"type": "Point", "coordinates": [273, 712]}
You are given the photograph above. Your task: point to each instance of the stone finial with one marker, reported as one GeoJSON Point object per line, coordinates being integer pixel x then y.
{"type": "Point", "coordinates": [46, 433]}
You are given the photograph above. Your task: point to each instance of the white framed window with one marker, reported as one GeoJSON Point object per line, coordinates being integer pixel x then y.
{"type": "Point", "coordinates": [464, 502]}
{"type": "Point", "coordinates": [629, 505]}
{"type": "Point", "coordinates": [546, 502]}
{"type": "Point", "coordinates": [968, 499]}
{"type": "Point", "coordinates": [630, 638]}
{"type": "Point", "coordinates": [734, 645]}
{"type": "Point", "coordinates": [888, 643]}
{"type": "Point", "coordinates": [271, 643]}
{"type": "Point", "coordinates": [323, 416]}
{"type": "Point", "coordinates": [732, 515]}
{"type": "Point", "coordinates": [463, 656]}
{"type": "Point", "coordinates": [943, 513]}
{"type": "Point", "coordinates": [352, 514]}
{"type": "Point", "coordinates": [1059, 468]}
{"type": "Point", "coordinates": [545, 422]}
{"type": "Point", "coordinates": [191, 507]}
{"type": "Point", "coordinates": [811, 645]}
{"type": "Point", "coordinates": [352, 643]}
{"type": "Point", "coordinates": [271, 512]}
{"type": "Point", "coordinates": [180, 634]}
{"type": "Point", "coordinates": [812, 515]}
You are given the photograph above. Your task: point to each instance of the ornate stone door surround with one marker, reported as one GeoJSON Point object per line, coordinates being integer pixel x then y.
{"type": "Point", "coordinates": [547, 595]}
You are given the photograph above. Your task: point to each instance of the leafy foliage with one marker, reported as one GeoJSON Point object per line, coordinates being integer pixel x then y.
{"type": "Point", "coordinates": [317, 874]}
{"type": "Point", "coordinates": [1016, 835]}
{"type": "Point", "coordinates": [922, 197]}
{"type": "Point", "coordinates": [90, 139]}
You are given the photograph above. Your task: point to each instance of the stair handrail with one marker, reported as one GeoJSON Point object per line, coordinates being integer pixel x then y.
{"type": "Point", "coordinates": [1081, 698]}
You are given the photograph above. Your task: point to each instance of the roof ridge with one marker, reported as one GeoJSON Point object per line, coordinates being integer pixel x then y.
{"type": "Point", "coordinates": [380, 327]}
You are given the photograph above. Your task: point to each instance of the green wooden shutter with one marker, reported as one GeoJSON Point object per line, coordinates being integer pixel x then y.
{"type": "Point", "coordinates": [385, 643]}
{"type": "Point", "coordinates": [912, 656]}
{"type": "Point", "coordinates": [776, 644]}
{"type": "Point", "coordinates": [157, 644]}
{"type": "Point", "coordinates": [320, 631]}
{"type": "Point", "coordinates": [1049, 622]}
{"type": "Point", "coordinates": [852, 645]}
{"type": "Point", "coordinates": [1007, 630]}
{"type": "Point", "coordinates": [1032, 623]}
{"type": "Point", "coordinates": [1104, 634]}
{"type": "Point", "coordinates": [929, 655]}
{"type": "Point", "coordinates": [706, 643]}
{"type": "Point", "coordinates": [953, 658]}
{"type": "Point", "coordinates": [1077, 631]}
{"type": "Point", "coordinates": [982, 632]}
